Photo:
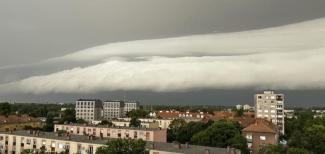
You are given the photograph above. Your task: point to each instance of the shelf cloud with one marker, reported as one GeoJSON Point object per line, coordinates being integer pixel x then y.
{"type": "Point", "coordinates": [288, 57]}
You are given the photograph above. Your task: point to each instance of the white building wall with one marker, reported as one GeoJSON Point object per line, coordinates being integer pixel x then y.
{"type": "Point", "coordinates": [270, 105]}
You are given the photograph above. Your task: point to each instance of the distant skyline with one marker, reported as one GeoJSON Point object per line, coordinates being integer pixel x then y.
{"type": "Point", "coordinates": [219, 52]}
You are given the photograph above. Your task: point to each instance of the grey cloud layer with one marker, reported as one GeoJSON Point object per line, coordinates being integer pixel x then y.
{"type": "Point", "coordinates": [288, 57]}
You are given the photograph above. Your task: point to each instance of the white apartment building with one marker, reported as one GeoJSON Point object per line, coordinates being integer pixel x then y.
{"type": "Point", "coordinates": [270, 106]}
{"type": "Point", "coordinates": [88, 109]}
{"type": "Point", "coordinates": [130, 105]}
{"type": "Point", "coordinates": [238, 106]}
{"type": "Point", "coordinates": [113, 109]}
{"type": "Point", "coordinates": [18, 141]}
{"type": "Point", "coordinates": [146, 134]}
{"type": "Point", "coordinates": [162, 123]}
{"type": "Point", "coordinates": [246, 107]}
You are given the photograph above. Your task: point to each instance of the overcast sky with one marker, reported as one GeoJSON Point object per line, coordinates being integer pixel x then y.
{"type": "Point", "coordinates": [34, 34]}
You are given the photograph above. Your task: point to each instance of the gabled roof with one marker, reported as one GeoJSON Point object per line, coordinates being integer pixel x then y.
{"type": "Point", "coordinates": [261, 126]}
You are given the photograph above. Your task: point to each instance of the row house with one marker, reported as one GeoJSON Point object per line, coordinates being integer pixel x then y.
{"type": "Point", "coordinates": [146, 134]}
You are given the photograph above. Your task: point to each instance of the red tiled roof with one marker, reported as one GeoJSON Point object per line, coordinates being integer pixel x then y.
{"type": "Point", "coordinates": [261, 126]}
{"type": "Point", "coordinates": [218, 115]}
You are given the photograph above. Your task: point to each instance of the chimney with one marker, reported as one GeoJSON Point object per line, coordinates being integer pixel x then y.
{"type": "Point", "coordinates": [206, 151]}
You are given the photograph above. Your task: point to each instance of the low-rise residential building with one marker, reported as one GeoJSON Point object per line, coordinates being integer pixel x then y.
{"type": "Point", "coordinates": [260, 133]}
{"type": "Point", "coordinates": [162, 123]}
{"type": "Point", "coordinates": [177, 114]}
{"type": "Point", "coordinates": [289, 113]}
{"type": "Point", "coordinates": [126, 123]}
{"type": "Point", "coordinates": [318, 113]}
{"type": "Point", "coordinates": [238, 106]}
{"type": "Point", "coordinates": [176, 148]}
{"type": "Point", "coordinates": [146, 134]}
{"type": "Point", "coordinates": [88, 109]}
{"type": "Point", "coordinates": [247, 107]}
{"type": "Point", "coordinates": [17, 141]}
{"type": "Point", "coordinates": [113, 109]}
{"type": "Point", "coordinates": [219, 115]}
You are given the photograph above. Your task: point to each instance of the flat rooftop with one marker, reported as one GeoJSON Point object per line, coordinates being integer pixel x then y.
{"type": "Point", "coordinates": [54, 136]}
{"type": "Point", "coordinates": [160, 146]}
{"type": "Point", "coordinates": [116, 127]}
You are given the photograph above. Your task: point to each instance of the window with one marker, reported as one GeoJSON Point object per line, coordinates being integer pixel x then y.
{"type": "Point", "coordinates": [147, 135]}
{"type": "Point", "coordinates": [135, 134]}
{"type": "Point", "coordinates": [249, 145]}
{"type": "Point", "coordinates": [263, 138]}
{"type": "Point", "coordinates": [91, 150]}
{"type": "Point", "coordinates": [28, 141]}
{"type": "Point", "coordinates": [249, 136]}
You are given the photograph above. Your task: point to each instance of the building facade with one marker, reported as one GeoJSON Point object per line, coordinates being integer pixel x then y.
{"type": "Point", "coordinates": [270, 105]}
{"type": "Point", "coordinates": [129, 106]}
{"type": "Point", "coordinates": [162, 123]}
{"type": "Point", "coordinates": [123, 123]}
{"type": "Point", "coordinates": [146, 134]}
{"type": "Point", "coordinates": [259, 133]}
{"type": "Point", "coordinates": [88, 109]}
{"type": "Point", "coordinates": [113, 109]}
{"type": "Point", "coordinates": [16, 142]}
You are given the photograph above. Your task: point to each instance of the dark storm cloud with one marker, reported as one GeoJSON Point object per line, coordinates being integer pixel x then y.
{"type": "Point", "coordinates": [35, 29]}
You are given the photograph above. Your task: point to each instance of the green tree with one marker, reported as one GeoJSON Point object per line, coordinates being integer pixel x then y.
{"type": "Point", "coordinates": [138, 113]}
{"type": "Point", "coordinates": [222, 133]}
{"type": "Point", "coordinates": [69, 116]}
{"type": "Point", "coordinates": [239, 113]}
{"type": "Point", "coordinates": [5, 108]}
{"type": "Point", "coordinates": [49, 126]}
{"type": "Point", "coordinates": [106, 122]}
{"type": "Point", "coordinates": [297, 151]}
{"type": "Point", "coordinates": [315, 139]}
{"type": "Point", "coordinates": [81, 121]}
{"type": "Point", "coordinates": [271, 149]}
{"type": "Point", "coordinates": [185, 132]}
{"type": "Point", "coordinates": [174, 126]}
{"type": "Point", "coordinates": [123, 146]}
{"type": "Point", "coordinates": [135, 122]}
